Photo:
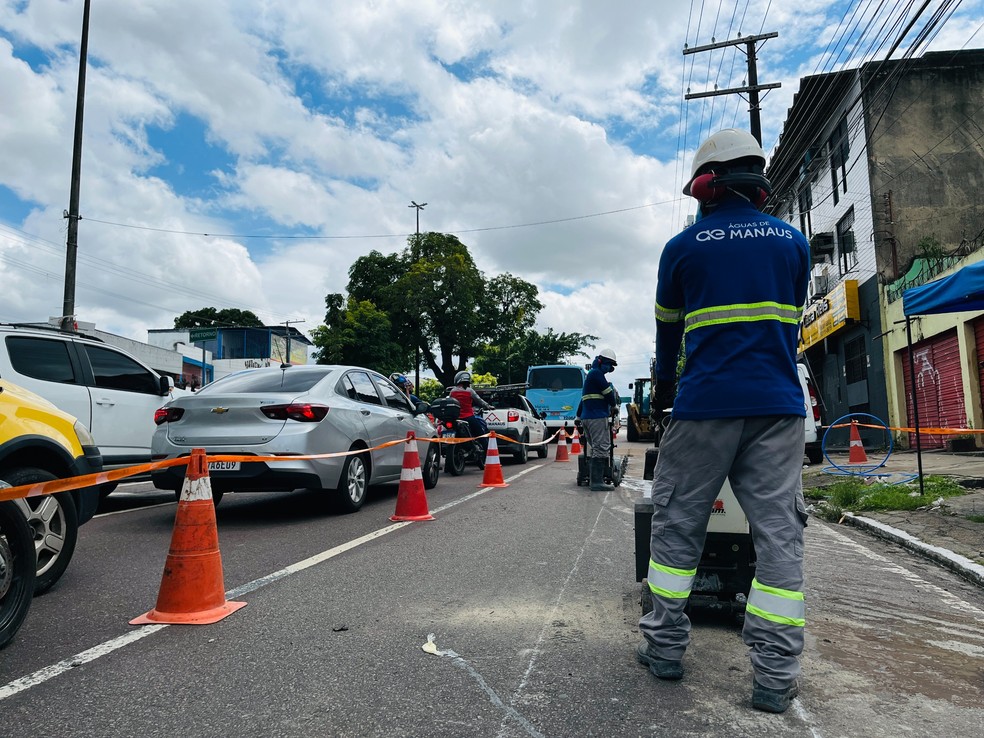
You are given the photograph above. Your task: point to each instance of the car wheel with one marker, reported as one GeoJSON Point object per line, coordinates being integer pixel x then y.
{"type": "Point", "coordinates": [352, 485]}
{"type": "Point", "coordinates": [216, 496]}
{"type": "Point", "coordinates": [523, 451]}
{"type": "Point", "coordinates": [815, 455]}
{"type": "Point", "coordinates": [454, 463]}
{"type": "Point", "coordinates": [17, 570]}
{"type": "Point", "coordinates": [432, 466]}
{"type": "Point", "coordinates": [54, 522]}
{"type": "Point", "coordinates": [541, 450]}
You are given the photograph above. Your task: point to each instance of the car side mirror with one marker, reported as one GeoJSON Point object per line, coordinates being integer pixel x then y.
{"type": "Point", "coordinates": [167, 384]}
{"type": "Point", "coordinates": [543, 415]}
{"type": "Point", "coordinates": [421, 408]}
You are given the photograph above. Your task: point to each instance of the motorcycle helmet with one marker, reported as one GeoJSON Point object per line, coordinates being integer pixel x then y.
{"type": "Point", "coordinates": [398, 379]}
{"type": "Point", "coordinates": [462, 378]}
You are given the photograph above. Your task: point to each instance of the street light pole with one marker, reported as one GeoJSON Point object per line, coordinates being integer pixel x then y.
{"type": "Point", "coordinates": [72, 214]}
{"type": "Point", "coordinates": [415, 253]}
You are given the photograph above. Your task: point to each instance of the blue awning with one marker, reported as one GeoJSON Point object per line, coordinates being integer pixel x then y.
{"type": "Point", "coordinates": [963, 290]}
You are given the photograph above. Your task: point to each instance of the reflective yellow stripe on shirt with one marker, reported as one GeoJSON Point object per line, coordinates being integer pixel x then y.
{"type": "Point", "coordinates": [783, 606]}
{"type": "Point", "coordinates": [743, 313]}
{"type": "Point", "coordinates": [673, 584]}
{"type": "Point", "coordinates": [668, 315]}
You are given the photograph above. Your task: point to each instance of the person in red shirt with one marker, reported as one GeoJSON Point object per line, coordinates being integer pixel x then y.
{"type": "Point", "coordinates": [469, 400]}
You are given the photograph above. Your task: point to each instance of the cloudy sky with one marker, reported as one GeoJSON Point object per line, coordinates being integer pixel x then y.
{"type": "Point", "coordinates": [243, 153]}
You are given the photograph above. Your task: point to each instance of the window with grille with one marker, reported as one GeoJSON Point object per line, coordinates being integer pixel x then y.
{"type": "Point", "coordinates": [839, 152]}
{"type": "Point", "coordinates": [846, 247]}
{"type": "Point", "coordinates": [805, 205]}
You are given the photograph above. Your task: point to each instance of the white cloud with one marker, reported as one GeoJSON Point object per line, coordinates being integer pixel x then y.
{"type": "Point", "coordinates": [324, 119]}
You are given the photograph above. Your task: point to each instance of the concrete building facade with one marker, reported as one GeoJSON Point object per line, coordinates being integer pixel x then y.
{"type": "Point", "coordinates": [881, 168]}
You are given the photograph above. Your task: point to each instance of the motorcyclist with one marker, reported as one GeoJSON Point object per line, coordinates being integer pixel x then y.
{"type": "Point", "coordinates": [404, 383]}
{"type": "Point", "coordinates": [469, 399]}
{"type": "Point", "coordinates": [598, 399]}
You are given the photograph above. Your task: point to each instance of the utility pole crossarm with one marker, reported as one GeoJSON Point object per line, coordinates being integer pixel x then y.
{"type": "Point", "coordinates": [753, 86]}
{"type": "Point", "coordinates": [733, 42]}
{"type": "Point", "coordinates": [732, 91]}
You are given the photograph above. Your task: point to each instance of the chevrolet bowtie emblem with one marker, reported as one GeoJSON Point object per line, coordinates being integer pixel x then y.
{"type": "Point", "coordinates": [220, 410]}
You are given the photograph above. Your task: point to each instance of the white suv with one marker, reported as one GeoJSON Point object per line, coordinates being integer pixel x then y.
{"type": "Point", "coordinates": [112, 393]}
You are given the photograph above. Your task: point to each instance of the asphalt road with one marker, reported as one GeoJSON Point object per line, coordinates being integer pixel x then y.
{"type": "Point", "coordinates": [530, 594]}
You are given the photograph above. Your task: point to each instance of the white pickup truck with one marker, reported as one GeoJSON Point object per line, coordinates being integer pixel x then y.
{"type": "Point", "coordinates": [515, 418]}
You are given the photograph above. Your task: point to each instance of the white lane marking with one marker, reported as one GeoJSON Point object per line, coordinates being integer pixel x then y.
{"type": "Point", "coordinates": [547, 623]}
{"type": "Point", "coordinates": [494, 698]}
{"type": "Point", "coordinates": [134, 509]}
{"type": "Point", "coordinates": [49, 672]}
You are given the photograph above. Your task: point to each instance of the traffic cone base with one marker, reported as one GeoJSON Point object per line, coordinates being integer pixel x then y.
{"type": "Point", "coordinates": [493, 467]}
{"type": "Point", "coordinates": [562, 454]}
{"type": "Point", "coordinates": [575, 443]}
{"type": "Point", "coordinates": [192, 591]}
{"type": "Point", "coordinates": [857, 454]}
{"type": "Point", "coordinates": [411, 499]}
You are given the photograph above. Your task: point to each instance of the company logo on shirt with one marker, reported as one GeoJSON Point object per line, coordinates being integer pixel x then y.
{"type": "Point", "coordinates": [759, 229]}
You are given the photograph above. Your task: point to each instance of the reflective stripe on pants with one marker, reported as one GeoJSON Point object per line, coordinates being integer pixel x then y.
{"type": "Point", "coordinates": [763, 459]}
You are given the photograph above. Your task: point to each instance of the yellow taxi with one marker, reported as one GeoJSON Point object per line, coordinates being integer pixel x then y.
{"type": "Point", "coordinates": [38, 443]}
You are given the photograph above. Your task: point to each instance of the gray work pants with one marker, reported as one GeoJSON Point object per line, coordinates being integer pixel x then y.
{"type": "Point", "coordinates": [763, 459]}
{"type": "Point", "coordinates": [599, 437]}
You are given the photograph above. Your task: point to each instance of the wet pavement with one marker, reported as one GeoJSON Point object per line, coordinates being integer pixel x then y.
{"type": "Point", "coordinates": [950, 532]}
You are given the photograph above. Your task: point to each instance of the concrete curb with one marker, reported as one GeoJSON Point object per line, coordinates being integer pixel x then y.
{"type": "Point", "coordinates": [956, 563]}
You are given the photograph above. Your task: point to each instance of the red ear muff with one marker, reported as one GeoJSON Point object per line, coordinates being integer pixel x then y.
{"type": "Point", "coordinates": [704, 189]}
{"type": "Point", "coordinates": [760, 197]}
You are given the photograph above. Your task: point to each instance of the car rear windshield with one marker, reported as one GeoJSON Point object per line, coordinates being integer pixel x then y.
{"type": "Point", "coordinates": [266, 381]}
{"type": "Point", "coordinates": [556, 378]}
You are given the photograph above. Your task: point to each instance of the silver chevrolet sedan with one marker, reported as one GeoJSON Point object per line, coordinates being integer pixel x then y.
{"type": "Point", "coordinates": [290, 411]}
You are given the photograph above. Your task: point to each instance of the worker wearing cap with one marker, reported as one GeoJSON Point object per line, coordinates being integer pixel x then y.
{"type": "Point", "coordinates": [598, 399]}
{"type": "Point", "coordinates": [734, 284]}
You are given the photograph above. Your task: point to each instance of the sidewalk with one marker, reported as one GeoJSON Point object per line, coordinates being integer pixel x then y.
{"type": "Point", "coordinates": [943, 533]}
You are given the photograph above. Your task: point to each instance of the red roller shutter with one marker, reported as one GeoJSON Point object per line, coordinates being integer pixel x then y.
{"type": "Point", "coordinates": [939, 387]}
{"type": "Point", "coordinates": [979, 341]}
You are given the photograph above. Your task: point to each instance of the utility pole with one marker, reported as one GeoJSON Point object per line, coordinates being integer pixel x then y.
{"type": "Point", "coordinates": [72, 214]}
{"type": "Point", "coordinates": [752, 88]}
{"type": "Point", "coordinates": [415, 252]}
{"type": "Point", "coordinates": [288, 323]}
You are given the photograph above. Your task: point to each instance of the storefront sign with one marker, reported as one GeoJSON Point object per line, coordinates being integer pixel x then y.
{"type": "Point", "coordinates": [838, 309]}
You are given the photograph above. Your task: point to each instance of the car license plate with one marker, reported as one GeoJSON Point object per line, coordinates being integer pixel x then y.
{"type": "Point", "coordinates": [223, 466]}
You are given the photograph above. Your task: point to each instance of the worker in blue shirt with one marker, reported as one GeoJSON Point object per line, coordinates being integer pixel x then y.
{"type": "Point", "coordinates": [598, 399]}
{"type": "Point", "coordinates": [734, 284]}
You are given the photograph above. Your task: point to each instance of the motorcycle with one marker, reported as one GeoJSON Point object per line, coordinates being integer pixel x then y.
{"type": "Point", "coordinates": [17, 569]}
{"type": "Point", "coordinates": [447, 414]}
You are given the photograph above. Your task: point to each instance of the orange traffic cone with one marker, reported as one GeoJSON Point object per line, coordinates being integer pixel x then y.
{"type": "Point", "coordinates": [857, 455]}
{"type": "Point", "coordinates": [575, 443]}
{"type": "Point", "coordinates": [411, 500]}
{"type": "Point", "coordinates": [493, 468]}
{"type": "Point", "coordinates": [192, 590]}
{"type": "Point", "coordinates": [562, 454]}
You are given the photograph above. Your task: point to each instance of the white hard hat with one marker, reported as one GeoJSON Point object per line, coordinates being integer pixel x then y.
{"type": "Point", "coordinates": [724, 146]}
{"type": "Point", "coordinates": [608, 354]}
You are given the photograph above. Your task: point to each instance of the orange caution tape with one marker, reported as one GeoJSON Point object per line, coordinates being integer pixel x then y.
{"type": "Point", "coordinates": [91, 480]}
{"type": "Point", "coordinates": [922, 431]}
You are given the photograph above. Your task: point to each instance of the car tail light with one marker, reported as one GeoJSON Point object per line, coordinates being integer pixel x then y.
{"type": "Point", "coordinates": [167, 414]}
{"type": "Point", "coordinates": [449, 425]}
{"type": "Point", "coordinates": [302, 411]}
{"type": "Point", "coordinates": [814, 403]}
{"type": "Point", "coordinates": [512, 416]}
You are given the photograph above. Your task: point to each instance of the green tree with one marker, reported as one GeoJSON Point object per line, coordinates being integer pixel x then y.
{"type": "Point", "coordinates": [225, 318]}
{"type": "Point", "coordinates": [358, 333]}
{"type": "Point", "coordinates": [508, 361]}
{"type": "Point", "coordinates": [436, 300]}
